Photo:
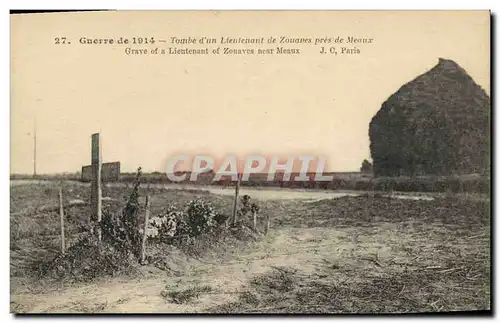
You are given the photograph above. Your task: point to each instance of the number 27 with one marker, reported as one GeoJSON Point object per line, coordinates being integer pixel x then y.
{"type": "Point", "coordinates": [60, 40]}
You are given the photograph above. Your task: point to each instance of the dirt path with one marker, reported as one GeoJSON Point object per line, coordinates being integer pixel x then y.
{"type": "Point", "coordinates": [301, 248]}
{"type": "Point", "coordinates": [265, 193]}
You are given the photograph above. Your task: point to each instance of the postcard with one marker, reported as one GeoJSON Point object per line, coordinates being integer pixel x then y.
{"type": "Point", "coordinates": [250, 162]}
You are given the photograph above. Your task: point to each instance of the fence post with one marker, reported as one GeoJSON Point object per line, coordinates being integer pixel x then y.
{"type": "Point", "coordinates": [254, 220]}
{"type": "Point", "coordinates": [268, 223]}
{"type": "Point", "coordinates": [235, 205]}
{"type": "Point", "coordinates": [95, 191]}
{"type": "Point", "coordinates": [145, 232]}
{"type": "Point", "coordinates": [61, 213]}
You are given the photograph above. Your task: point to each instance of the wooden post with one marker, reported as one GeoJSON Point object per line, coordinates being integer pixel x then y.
{"type": "Point", "coordinates": [34, 150]}
{"type": "Point", "coordinates": [268, 223]}
{"type": "Point", "coordinates": [95, 192]}
{"type": "Point", "coordinates": [145, 233]}
{"type": "Point", "coordinates": [236, 193]}
{"type": "Point", "coordinates": [254, 220]}
{"type": "Point", "coordinates": [61, 213]}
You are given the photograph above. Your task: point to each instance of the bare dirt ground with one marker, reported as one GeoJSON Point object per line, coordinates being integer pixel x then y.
{"type": "Point", "coordinates": [305, 249]}
{"type": "Point", "coordinates": [352, 254]}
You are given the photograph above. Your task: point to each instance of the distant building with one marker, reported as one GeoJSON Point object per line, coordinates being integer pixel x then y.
{"type": "Point", "coordinates": [110, 172]}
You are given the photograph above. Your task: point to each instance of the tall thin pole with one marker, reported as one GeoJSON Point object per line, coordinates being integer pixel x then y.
{"type": "Point", "coordinates": [61, 213]}
{"type": "Point", "coordinates": [95, 191]}
{"type": "Point", "coordinates": [235, 205]}
{"type": "Point", "coordinates": [254, 213]}
{"type": "Point", "coordinates": [34, 149]}
{"type": "Point", "coordinates": [145, 233]}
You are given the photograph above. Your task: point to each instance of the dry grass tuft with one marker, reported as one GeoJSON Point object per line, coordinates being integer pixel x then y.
{"type": "Point", "coordinates": [186, 295]}
{"type": "Point", "coordinates": [413, 291]}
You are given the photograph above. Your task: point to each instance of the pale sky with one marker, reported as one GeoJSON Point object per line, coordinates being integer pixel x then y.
{"type": "Point", "coordinates": [149, 108]}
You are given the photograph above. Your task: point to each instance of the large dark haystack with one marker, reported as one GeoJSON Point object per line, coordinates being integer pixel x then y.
{"type": "Point", "coordinates": [436, 124]}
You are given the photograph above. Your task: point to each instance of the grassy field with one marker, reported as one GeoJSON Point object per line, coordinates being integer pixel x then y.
{"type": "Point", "coordinates": [345, 255]}
{"type": "Point", "coordinates": [472, 183]}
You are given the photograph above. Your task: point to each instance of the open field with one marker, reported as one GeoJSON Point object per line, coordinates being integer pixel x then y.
{"type": "Point", "coordinates": [352, 181]}
{"type": "Point", "coordinates": [333, 254]}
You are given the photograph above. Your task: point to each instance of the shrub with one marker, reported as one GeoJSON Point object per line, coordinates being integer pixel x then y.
{"type": "Point", "coordinates": [366, 167]}
{"type": "Point", "coordinates": [88, 259]}
{"type": "Point", "coordinates": [167, 224]}
{"type": "Point", "coordinates": [246, 206]}
{"type": "Point", "coordinates": [200, 217]}
{"type": "Point", "coordinates": [121, 230]}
